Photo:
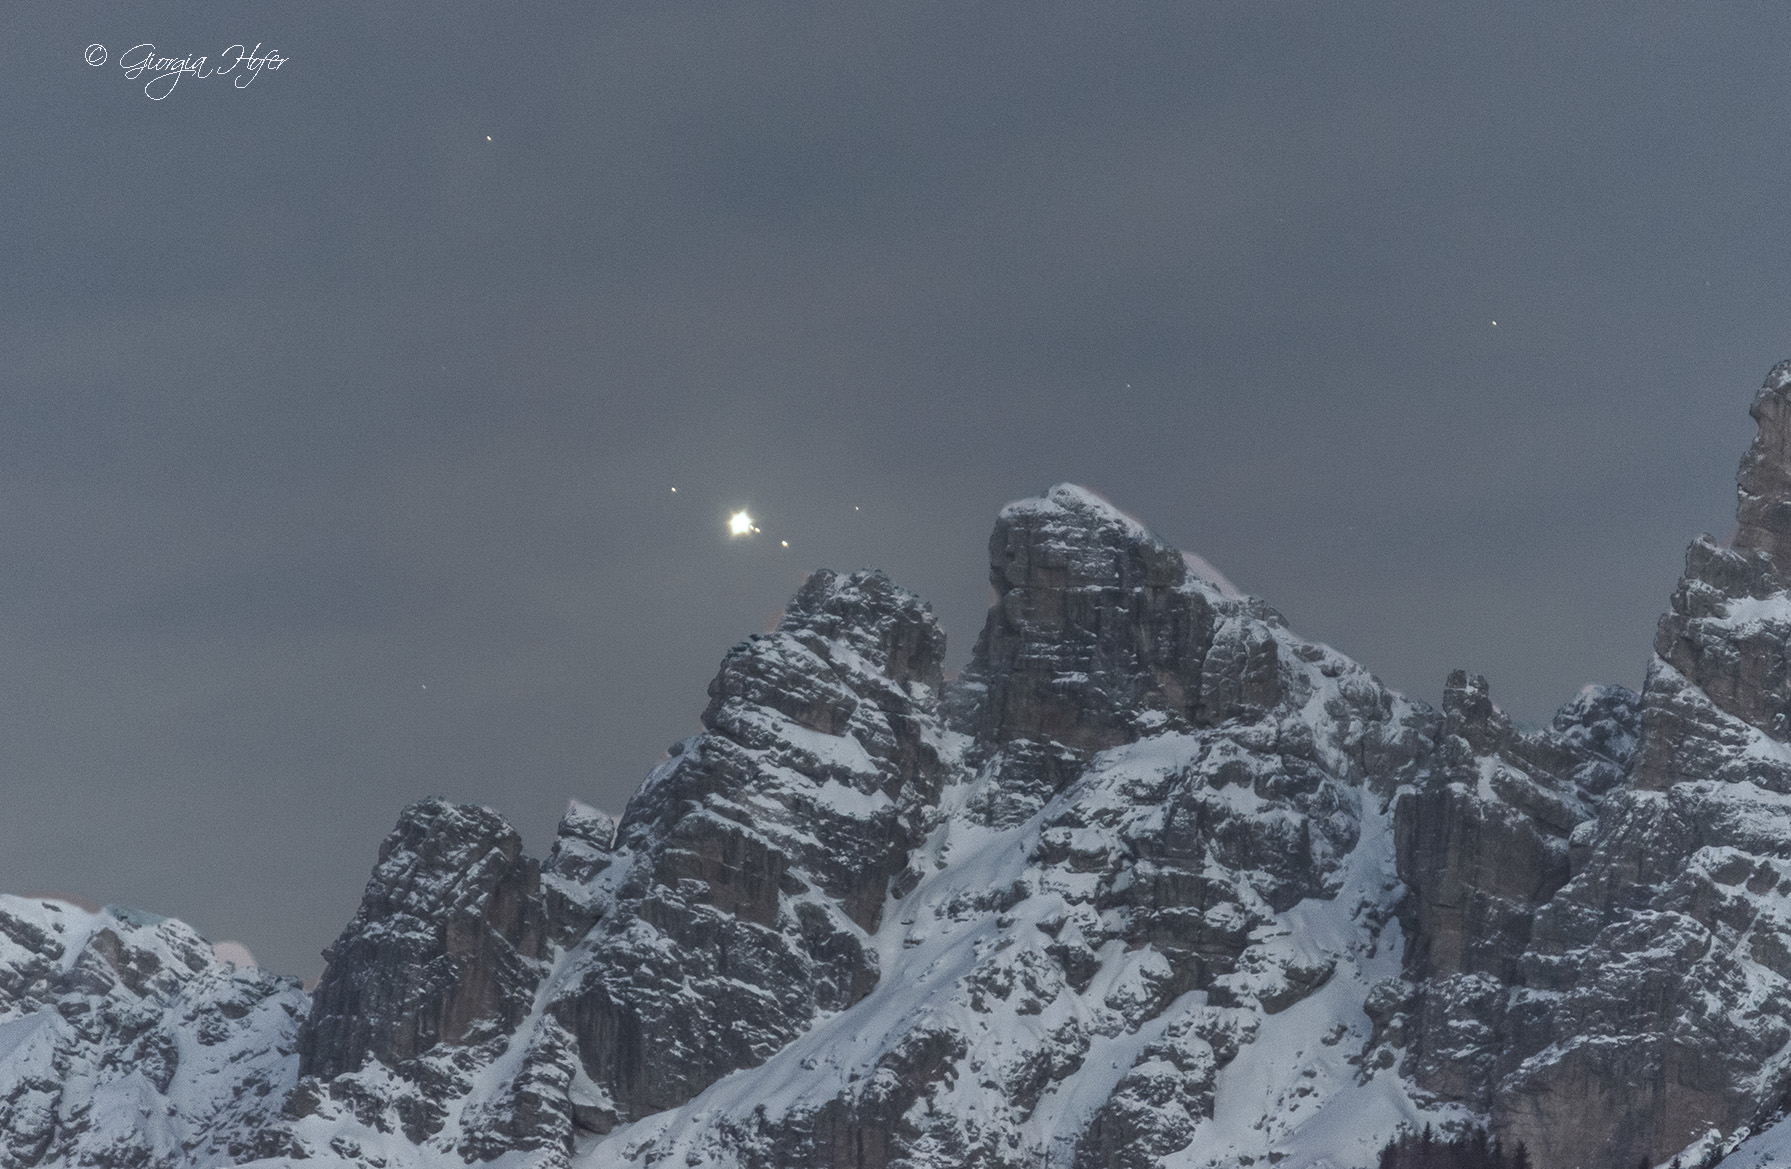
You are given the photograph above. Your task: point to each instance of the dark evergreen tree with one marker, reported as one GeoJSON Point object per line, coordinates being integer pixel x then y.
{"type": "Point", "coordinates": [1470, 1148]}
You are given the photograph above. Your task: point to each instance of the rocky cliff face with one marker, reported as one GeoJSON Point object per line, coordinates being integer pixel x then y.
{"type": "Point", "coordinates": [445, 945]}
{"type": "Point", "coordinates": [753, 867]}
{"type": "Point", "coordinates": [1153, 882]}
{"type": "Point", "coordinates": [125, 1041]}
{"type": "Point", "coordinates": [1634, 1001]}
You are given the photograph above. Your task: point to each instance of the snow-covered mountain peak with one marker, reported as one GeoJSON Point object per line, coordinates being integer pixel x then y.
{"type": "Point", "coordinates": [125, 1040]}
{"type": "Point", "coordinates": [1154, 883]}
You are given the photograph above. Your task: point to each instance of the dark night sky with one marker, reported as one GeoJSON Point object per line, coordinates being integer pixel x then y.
{"type": "Point", "coordinates": [337, 442]}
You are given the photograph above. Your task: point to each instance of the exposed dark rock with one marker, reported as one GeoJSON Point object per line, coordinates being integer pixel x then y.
{"type": "Point", "coordinates": [1090, 633]}
{"type": "Point", "coordinates": [761, 853]}
{"type": "Point", "coordinates": [1484, 840]}
{"type": "Point", "coordinates": [1637, 1006]}
{"type": "Point", "coordinates": [1763, 511]}
{"type": "Point", "coordinates": [447, 939]}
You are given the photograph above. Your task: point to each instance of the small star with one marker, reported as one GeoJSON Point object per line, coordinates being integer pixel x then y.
{"type": "Point", "coordinates": [488, 137]}
{"type": "Point", "coordinates": [785, 543]}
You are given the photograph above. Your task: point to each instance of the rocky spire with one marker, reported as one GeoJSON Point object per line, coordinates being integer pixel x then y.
{"type": "Point", "coordinates": [1681, 865]}
{"type": "Point", "coordinates": [445, 943]}
{"type": "Point", "coordinates": [1764, 483]}
{"type": "Point", "coordinates": [1094, 626]}
{"type": "Point", "coordinates": [1085, 623]}
{"type": "Point", "coordinates": [1721, 669]}
{"type": "Point", "coordinates": [756, 861]}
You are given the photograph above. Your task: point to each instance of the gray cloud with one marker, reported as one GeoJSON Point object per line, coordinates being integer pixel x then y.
{"type": "Point", "coordinates": [337, 443]}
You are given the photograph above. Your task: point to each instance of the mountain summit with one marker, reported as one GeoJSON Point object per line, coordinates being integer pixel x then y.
{"type": "Point", "coordinates": [1154, 882]}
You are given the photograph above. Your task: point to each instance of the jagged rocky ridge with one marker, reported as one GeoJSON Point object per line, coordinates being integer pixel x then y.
{"type": "Point", "coordinates": [1154, 882]}
{"type": "Point", "coordinates": [125, 1040]}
